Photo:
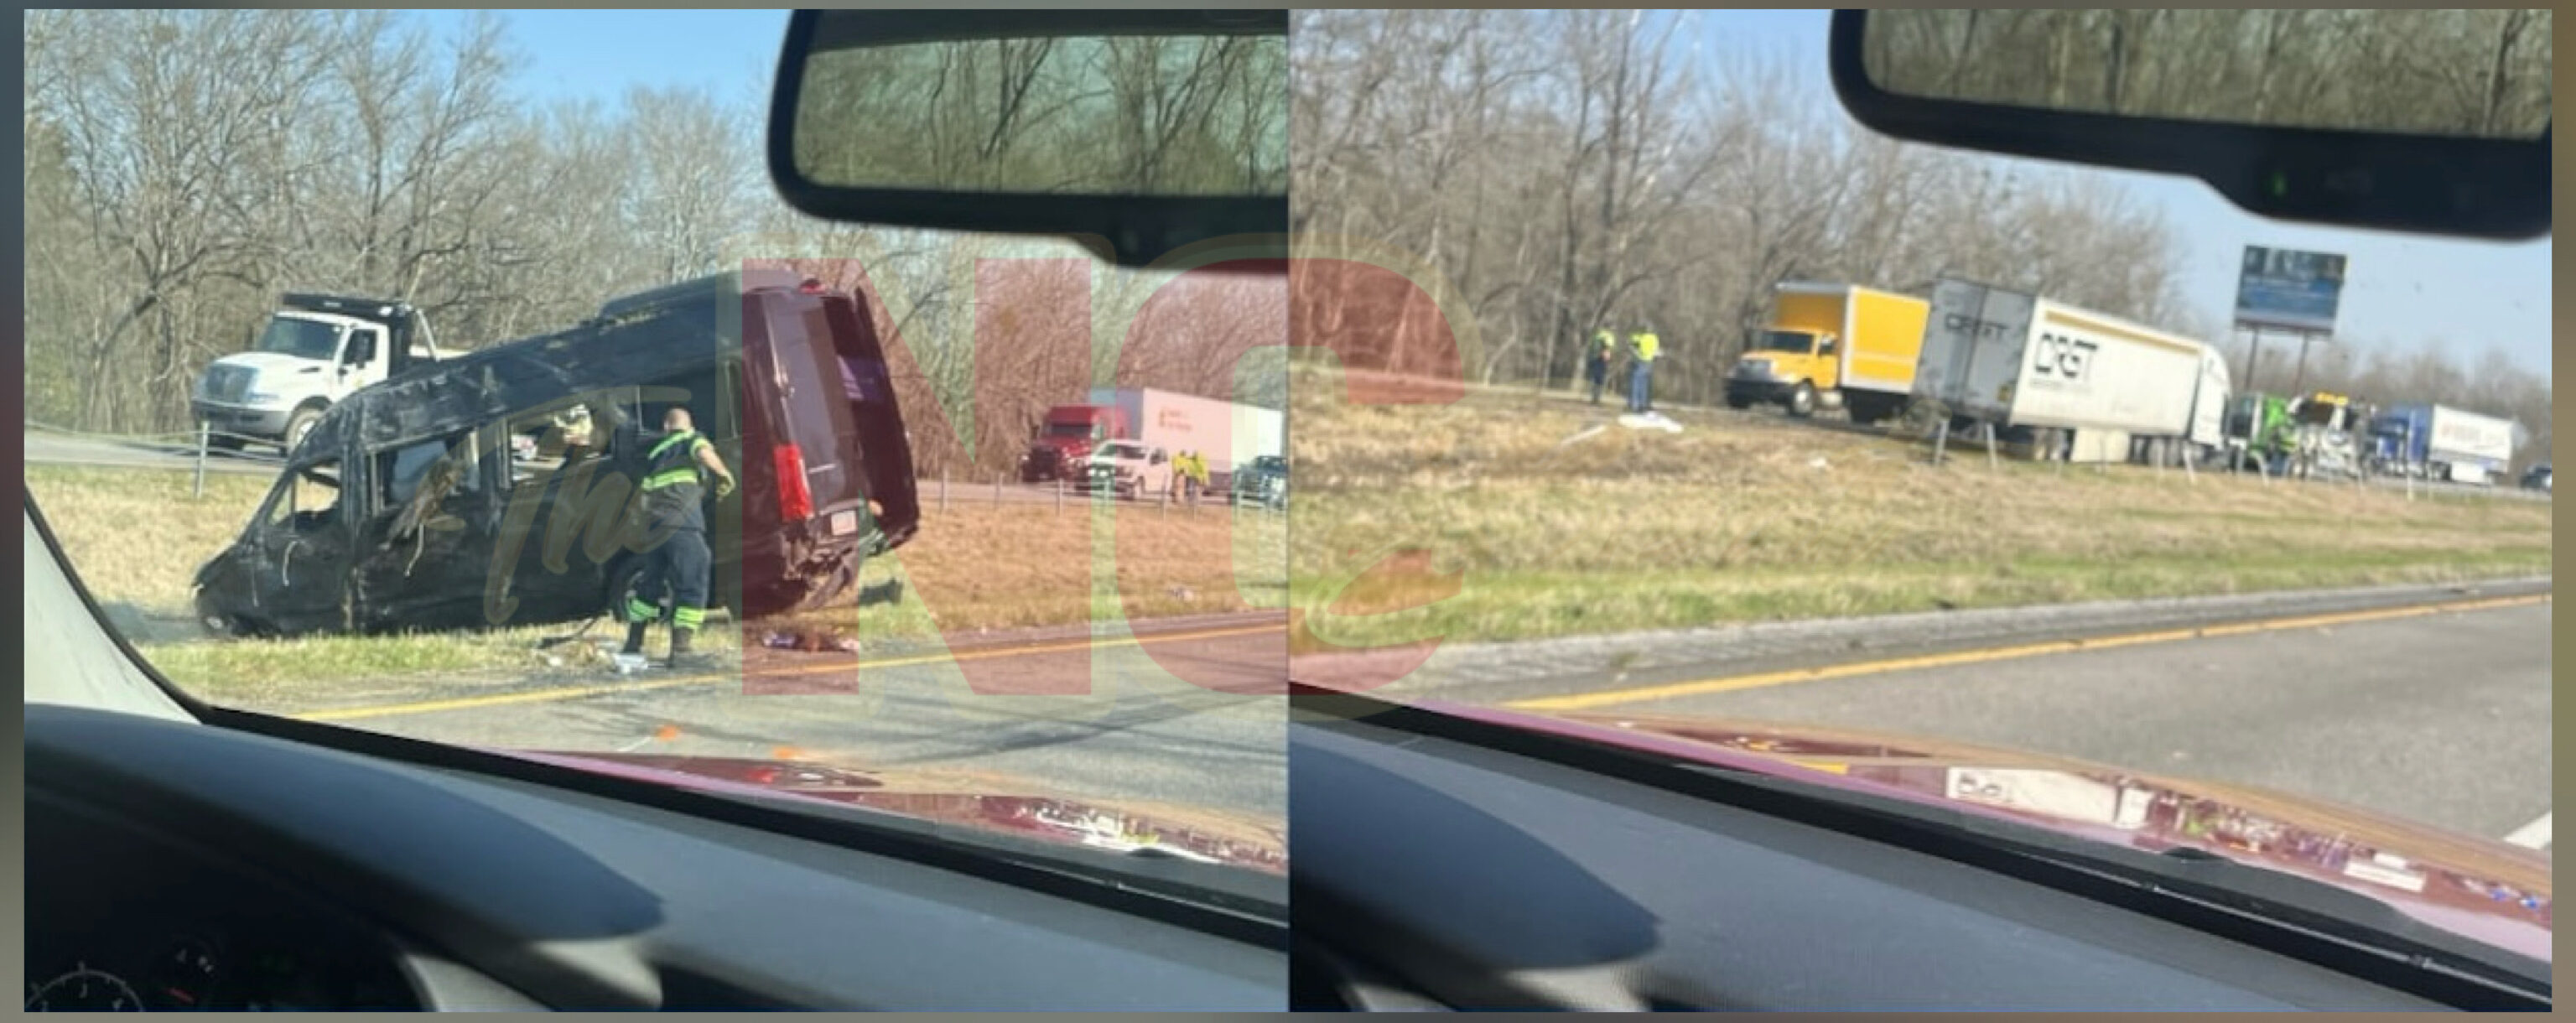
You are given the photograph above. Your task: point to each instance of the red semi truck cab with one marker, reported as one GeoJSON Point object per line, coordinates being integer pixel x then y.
{"type": "Point", "coordinates": [1068, 435]}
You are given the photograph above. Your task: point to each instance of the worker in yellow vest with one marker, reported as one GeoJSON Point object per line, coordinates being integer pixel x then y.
{"type": "Point", "coordinates": [1643, 347]}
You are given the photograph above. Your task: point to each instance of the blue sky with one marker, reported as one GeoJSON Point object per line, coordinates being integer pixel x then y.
{"type": "Point", "coordinates": [2399, 289]}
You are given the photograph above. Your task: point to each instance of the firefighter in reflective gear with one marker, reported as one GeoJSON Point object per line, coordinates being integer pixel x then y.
{"type": "Point", "coordinates": [1596, 364]}
{"type": "Point", "coordinates": [675, 482]}
{"type": "Point", "coordinates": [1643, 347]}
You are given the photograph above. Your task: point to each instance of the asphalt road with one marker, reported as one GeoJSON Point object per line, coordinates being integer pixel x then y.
{"type": "Point", "coordinates": [49, 448]}
{"type": "Point", "coordinates": [2436, 716]}
{"type": "Point", "coordinates": [1178, 712]}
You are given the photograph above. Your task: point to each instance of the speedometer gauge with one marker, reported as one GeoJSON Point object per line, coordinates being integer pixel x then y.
{"type": "Point", "coordinates": [84, 990]}
{"type": "Point", "coordinates": [185, 978]}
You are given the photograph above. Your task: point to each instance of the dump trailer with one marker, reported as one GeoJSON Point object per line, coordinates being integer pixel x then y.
{"type": "Point", "coordinates": [2444, 443]}
{"type": "Point", "coordinates": [1832, 346]}
{"type": "Point", "coordinates": [2028, 365]}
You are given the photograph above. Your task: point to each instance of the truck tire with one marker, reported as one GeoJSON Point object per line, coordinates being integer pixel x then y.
{"type": "Point", "coordinates": [1802, 402]}
{"type": "Point", "coordinates": [297, 425]}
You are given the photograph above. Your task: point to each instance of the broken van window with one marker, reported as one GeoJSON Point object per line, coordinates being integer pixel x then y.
{"type": "Point", "coordinates": [402, 469]}
{"type": "Point", "coordinates": [550, 439]}
{"type": "Point", "coordinates": [312, 498]}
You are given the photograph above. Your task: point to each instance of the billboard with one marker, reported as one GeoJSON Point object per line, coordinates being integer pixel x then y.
{"type": "Point", "coordinates": [2289, 290]}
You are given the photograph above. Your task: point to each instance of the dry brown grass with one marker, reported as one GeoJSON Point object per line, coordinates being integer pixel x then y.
{"type": "Point", "coordinates": [137, 537]}
{"type": "Point", "coordinates": [1745, 518]}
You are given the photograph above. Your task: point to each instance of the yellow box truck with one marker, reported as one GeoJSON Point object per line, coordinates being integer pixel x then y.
{"type": "Point", "coordinates": [1832, 346]}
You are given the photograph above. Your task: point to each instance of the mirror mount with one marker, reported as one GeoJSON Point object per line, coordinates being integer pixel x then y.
{"type": "Point", "coordinates": [2491, 188]}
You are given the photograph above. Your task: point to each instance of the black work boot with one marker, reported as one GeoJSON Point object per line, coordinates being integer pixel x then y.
{"type": "Point", "coordinates": [634, 639]}
{"type": "Point", "coordinates": [680, 647]}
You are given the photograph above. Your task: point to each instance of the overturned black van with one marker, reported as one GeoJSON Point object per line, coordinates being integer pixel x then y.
{"type": "Point", "coordinates": [497, 488]}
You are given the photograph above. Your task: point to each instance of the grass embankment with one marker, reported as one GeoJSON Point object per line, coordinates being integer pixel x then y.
{"type": "Point", "coordinates": [138, 536]}
{"type": "Point", "coordinates": [1747, 517]}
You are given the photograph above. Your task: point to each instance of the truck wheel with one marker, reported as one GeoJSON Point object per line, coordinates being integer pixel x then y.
{"type": "Point", "coordinates": [297, 426]}
{"type": "Point", "coordinates": [1802, 402]}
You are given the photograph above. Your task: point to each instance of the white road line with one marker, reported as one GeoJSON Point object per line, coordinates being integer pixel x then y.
{"type": "Point", "coordinates": [2534, 835]}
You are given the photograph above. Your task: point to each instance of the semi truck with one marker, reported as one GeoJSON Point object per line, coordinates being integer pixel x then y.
{"type": "Point", "coordinates": [1067, 436]}
{"type": "Point", "coordinates": [1832, 346]}
{"type": "Point", "coordinates": [312, 352]}
{"type": "Point", "coordinates": [2442, 443]}
{"type": "Point", "coordinates": [1170, 422]}
{"type": "Point", "coordinates": [2052, 372]}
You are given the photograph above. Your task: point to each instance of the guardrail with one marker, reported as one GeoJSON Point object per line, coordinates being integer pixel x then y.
{"type": "Point", "coordinates": [195, 445]}
{"type": "Point", "coordinates": [937, 490]}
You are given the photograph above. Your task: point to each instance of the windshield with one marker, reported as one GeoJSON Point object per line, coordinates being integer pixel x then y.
{"type": "Point", "coordinates": [839, 620]}
{"type": "Point", "coordinates": [1798, 342]}
{"type": "Point", "coordinates": [1866, 561]}
{"type": "Point", "coordinates": [304, 339]}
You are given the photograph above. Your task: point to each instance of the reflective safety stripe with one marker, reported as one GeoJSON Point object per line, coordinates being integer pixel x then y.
{"type": "Point", "coordinates": [689, 617]}
{"type": "Point", "coordinates": [674, 473]}
{"type": "Point", "coordinates": [670, 478]}
{"type": "Point", "coordinates": [639, 611]}
{"type": "Point", "coordinates": [666, 443]}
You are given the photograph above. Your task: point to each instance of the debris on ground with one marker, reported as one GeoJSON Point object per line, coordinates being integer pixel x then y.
{"type": "Point", "coordinates": [809, 641]}
{"type": "Point", "coordinates": [1818, 463]}
{"type": "Point", "coordinates": [1650, 420]}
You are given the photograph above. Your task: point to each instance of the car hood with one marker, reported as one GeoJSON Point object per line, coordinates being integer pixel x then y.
{"type": "Point", "coordinates": [961, 801]}
{"type": "Point", "coordinates": [2479, 888]}
{"type": "Point", "coordinates": [269, 364]}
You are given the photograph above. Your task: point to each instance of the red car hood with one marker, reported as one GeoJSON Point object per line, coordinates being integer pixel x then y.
{"type": "Point", "coordinates": [2479, 888]}
{"type": "Point", "coordinates": [976, 804]}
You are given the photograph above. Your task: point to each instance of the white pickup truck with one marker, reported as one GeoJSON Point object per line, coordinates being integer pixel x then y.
{"type": "Point", "coordinates": [1128, 469]}
{"type": "Point", "coordinates": [314, 351]}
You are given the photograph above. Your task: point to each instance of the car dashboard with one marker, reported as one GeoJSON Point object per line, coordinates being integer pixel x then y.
{"type": "Point", "coordinates": [178, 865]}
{"type": "Point", "coordinates": [128, 920]}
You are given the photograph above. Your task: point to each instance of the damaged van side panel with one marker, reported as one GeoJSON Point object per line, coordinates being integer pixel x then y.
{"type": "Point", "coordinates": [498, 488]}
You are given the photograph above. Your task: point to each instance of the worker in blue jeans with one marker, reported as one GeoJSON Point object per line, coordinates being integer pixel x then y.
{"type": "Point", "coordinates": [1643, 346]}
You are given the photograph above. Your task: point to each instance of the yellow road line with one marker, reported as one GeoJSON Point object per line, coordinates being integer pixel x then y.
{"type": "Point", "coordinates": [1605, 698]}
{"type": "Point", "coordinates": [577, 692]}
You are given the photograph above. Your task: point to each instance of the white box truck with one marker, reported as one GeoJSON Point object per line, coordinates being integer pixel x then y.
{"type": "Point", "coordinates": [2018, 361]}
{"type": "Point", "coordinates": [1228, 434]}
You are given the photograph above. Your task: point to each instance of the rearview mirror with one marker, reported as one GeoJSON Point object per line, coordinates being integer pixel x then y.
{"type": "Point", "coordinates": [1133, 132]}
{"type": "Point", "coordinates": [2428, 121]}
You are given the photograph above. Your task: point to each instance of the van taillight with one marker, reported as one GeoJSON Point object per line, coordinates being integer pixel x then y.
{"type": "Point", "coordinates": [795, 499]}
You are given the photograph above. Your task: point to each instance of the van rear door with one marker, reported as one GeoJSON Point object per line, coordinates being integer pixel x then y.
{"type": "Point", "coordinates": [831, 400]}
